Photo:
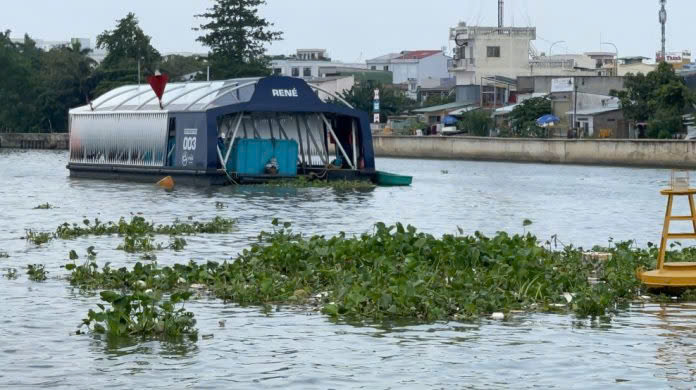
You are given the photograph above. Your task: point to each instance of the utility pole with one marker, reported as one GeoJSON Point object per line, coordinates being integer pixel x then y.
{"type": "Point", "coordinates": [501, 14]}
{"type": "Point", "coordinates": [616, 64]}
{"type": "Point", "coordinates": [495, 92]}
{"type": "Point", "coordinates": [663, 21]}
{"type": "Point", "coordinates": [575, 108]}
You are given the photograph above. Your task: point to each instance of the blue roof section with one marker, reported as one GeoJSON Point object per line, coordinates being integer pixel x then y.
{"type": "Point", "coordinates": [283, 94]}
{"type": "Point", "coordinates": [292, 94]}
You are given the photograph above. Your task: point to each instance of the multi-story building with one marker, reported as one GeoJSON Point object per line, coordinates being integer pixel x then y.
{"type": "Point", "coordinates": [635, 65]}
{"type": "Point", "coordinates": [485, 55]}
{"type": "Point", "coordinates": [487, 60]}
{"type": "Point", "coordinates": [307, 64]}
{"type": "Point", "coordinates": [413, 67]}
{"type": "Point", "coordinates": [489, 52]}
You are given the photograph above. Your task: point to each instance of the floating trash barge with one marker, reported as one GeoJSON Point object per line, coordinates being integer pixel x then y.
{"type": "Point", "coordinates": [220, 132]}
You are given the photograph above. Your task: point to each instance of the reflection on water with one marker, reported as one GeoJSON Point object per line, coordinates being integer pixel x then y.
{"type": "Point", "coordinates": [646, 345]}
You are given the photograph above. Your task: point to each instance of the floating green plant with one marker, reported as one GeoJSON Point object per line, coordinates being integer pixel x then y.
{"type": "Point", "coordinates": [38, 238]}
{"type": "Point", "coordinates": [177, 244]}
{"type": "Point", "coordinates": [138, 226]}
{"type": "Point", "coordinates": [217, 226]}
{"type": "Point", "coordinates": [135, 244]}
{"type": "Point", "coordinates": [142, 313]}
{"type": "Point", "coordinates": [149, 256]}
{"type": "Point", "coordinates": [10, 273]}
{"type": "Point", "coordinates": [45, 206]}
{"type": "Point", "coordinates": [304, 182]}
{"type": "Point", "coordinates": [525, 224]}
{"type": "Point", "coordinates": [398, 273]}
{"type": "Point", "coordinates": [37, 272]}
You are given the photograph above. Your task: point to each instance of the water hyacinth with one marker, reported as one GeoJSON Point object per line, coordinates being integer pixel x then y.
{"type": "Point", "coordinates": [138, 226]}
{"type": "Point", "coordinates": [303, 182]}
{"type": "Point", "coordinates": [398, 273]}
{"type": "Point", "coordinates": [142, 314]}
{"type": "Point", "coordinates": [134, 244]}
{"type": "Point", "coordinates": [37, 272]}
{"type": "Point", "coordinates": [10, 273]}
{"type": "Point", "coordinates": [37, 238]}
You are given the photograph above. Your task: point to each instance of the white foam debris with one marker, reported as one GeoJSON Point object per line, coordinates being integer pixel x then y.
{"type": "Point", "coordinates": [498, 316]}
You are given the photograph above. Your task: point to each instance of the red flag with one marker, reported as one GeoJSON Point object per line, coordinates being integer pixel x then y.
{"type": "Point", "coordinates": [158, 83]}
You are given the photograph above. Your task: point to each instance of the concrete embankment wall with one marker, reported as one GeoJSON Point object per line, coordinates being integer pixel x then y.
{"type": "Point", "coordinates": [643, 153]}
{"type": "Point", "coordinates": [35, 140]}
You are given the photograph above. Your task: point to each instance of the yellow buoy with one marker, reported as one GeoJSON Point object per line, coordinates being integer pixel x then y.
{"type": "Point", "coordinates": [167, 183]}
{"type": "Point", "coordinates": [673, 274]}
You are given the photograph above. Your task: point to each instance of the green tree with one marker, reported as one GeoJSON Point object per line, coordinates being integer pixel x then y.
{"type": "Point", "coordinates": [392, 100]}
{"type": "Point", "coordinates": [523, 118]}
{"type": "Point", "coordinates": [37, 88]}
{"type": "Point", "coordinates": [477, 122]}
{"type": "Point", "coordinates": [436, 100]}
{"type": "Point", "coordinates": [237, 36]}
{"type": "Point", "coordinates": [66, 81]}
{"type": "Point", "coordinates": [16, 85]}
{"type": "Point", "coordinates": [126, 44]}
{"type": "Point", "coordinates": [660, 98]}
{"type": "Point", "coordinates": [177, 66]}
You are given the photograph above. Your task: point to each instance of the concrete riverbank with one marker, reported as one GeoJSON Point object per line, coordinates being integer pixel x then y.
{"type": "Point", "coordinates": [642, 153]}
{"type": "Point", "coordinates": [34, 140]}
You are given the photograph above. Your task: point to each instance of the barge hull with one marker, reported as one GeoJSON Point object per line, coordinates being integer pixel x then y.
{"type": "Point", "coordinates": [204, 177]}
{"type": "Point", "coordinates": [198, 177]}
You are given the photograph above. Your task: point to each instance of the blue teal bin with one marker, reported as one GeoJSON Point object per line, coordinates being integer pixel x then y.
{"type": "Point", "coordinates": [250, 156]}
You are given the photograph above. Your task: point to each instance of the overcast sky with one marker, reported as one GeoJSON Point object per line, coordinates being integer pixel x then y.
{"type": "Point", "coordinates": [356, 30]}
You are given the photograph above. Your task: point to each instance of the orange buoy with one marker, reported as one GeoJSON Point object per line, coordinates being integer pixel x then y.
{"type": "Point", "coordinates": [167, 183]}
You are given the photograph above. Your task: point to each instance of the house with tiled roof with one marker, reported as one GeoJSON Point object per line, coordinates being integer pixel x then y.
{"type": "Point", "coordinates": [413, 67]}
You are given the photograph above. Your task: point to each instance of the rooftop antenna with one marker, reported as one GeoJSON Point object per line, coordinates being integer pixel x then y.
{"type": "Point", "coordinates": [663, 21]}
{"type": "Point", "coordinates": [501, 13]}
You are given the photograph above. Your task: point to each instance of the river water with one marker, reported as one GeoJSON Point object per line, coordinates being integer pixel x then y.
{"type": "Point", "coordinates": [648, 345]}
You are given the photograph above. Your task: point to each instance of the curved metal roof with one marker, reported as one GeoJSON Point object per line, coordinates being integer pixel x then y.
{"type": "Point", "coordinates": [191, 96]}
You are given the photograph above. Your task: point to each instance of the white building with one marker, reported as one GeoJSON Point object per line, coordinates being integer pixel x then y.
{"type": "Point", "coordinates": [308, 64]}
{"type": "Point", "coordinates": [335, 85]}
{"type": "Point", "coordinates": [571, 65]}
{"type": "Point", "coordinates": [488, 59]}
{"type": "Point", "coordinates": [490, 51]}
{"type": "Point", "coordinates": [484, 56]}
{"type": "Point", "coordinates": [413, 67]}
{"type": "Point", "coordinates": [312, 54]}
{"type": "Point", "coordinates": [85, 43]}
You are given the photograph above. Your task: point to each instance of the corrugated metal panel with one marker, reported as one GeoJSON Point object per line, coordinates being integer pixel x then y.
{"type": "Point", "coordinates": [137, 139]}
{"type": "Point", "coordinates": [177, 96]}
